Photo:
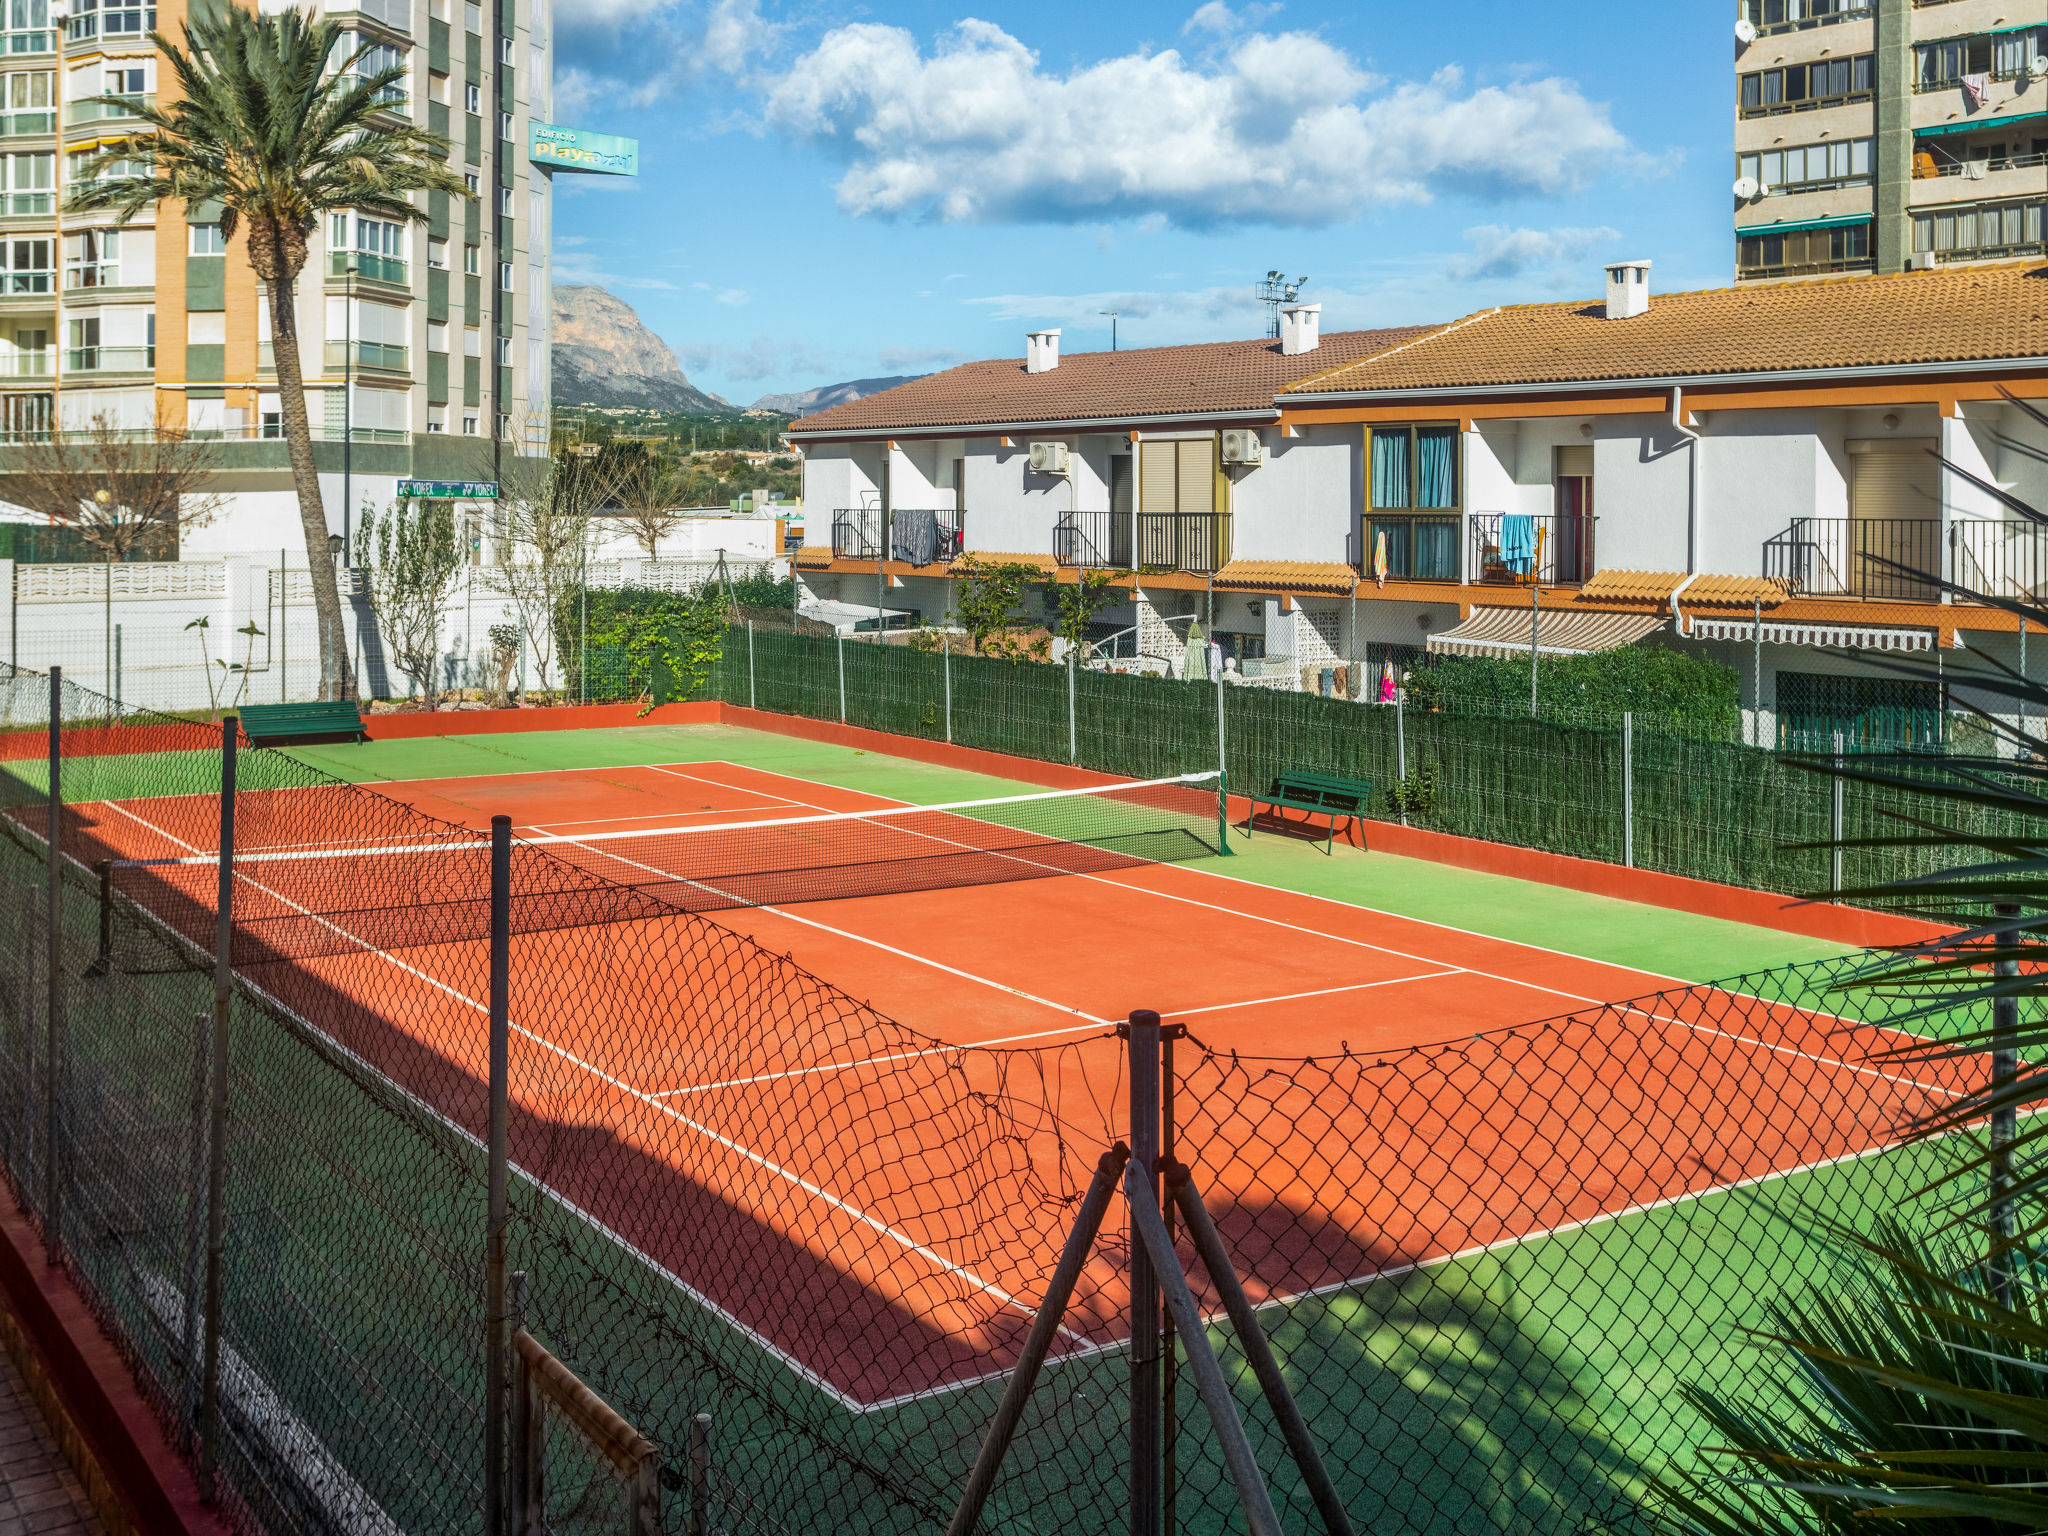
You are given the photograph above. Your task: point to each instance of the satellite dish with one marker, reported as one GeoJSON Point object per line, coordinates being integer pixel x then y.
{"type": "Point", "coordinates": [1747, 189]}
{"type": "Point", "coordinates": [1745, 31]}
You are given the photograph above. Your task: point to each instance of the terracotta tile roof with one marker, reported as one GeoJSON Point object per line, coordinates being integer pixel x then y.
{"type": "Point", "coordinates": [1744, 591]}
{"type": "Point", "coordinates": [1658, 586]}
{"type": "Point", "coordinates": [814, 555]}
{"type": "Point", "coordinates": [1962, 314]}
{"type": "Point", "coordinates": [1631, 586]}
{"type": "Point", "coordinates": [1109, 386]}
{"type": "Point", "coordinates": [1288, 576]}
{"type": "Point", "coordinates": [974, 557]}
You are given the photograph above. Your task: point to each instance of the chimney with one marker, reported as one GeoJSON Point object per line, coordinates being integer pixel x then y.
{"type": "Point", "coordinates": [1299, 327]}
{"type": "Point", "coordinates": [1041, 351]}
{"type": "Point", "coordinates": [1628, 289]}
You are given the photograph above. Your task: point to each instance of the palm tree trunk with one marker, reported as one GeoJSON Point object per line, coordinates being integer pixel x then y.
{"type": "Point", "coordinates": [298, 437]}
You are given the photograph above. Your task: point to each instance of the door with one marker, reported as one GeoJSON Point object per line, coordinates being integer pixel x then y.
{"type": "Point", "coordinates": [1570, 556]}
{"type": "Point", "coordinates": [1894, 534]}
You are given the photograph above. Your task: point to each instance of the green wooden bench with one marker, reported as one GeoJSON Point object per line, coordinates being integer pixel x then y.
{"type": "Point", "coordinates": [282, 725]}
{"type": "Point", "coordinates": [1324, 794]}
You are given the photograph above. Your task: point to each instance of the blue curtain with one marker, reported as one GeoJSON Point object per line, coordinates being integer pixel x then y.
{"type": "Point", "coordinates": [1436, 552]}
{"type": "Point", "coordinates": [1390, 469]}
{"type": "Point", "coordinates": [1436, 479]}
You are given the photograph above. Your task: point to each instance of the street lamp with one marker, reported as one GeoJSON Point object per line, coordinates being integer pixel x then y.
{"type": "Point", "coordinates": [337, 546]}
{"type": "Point", "coordinates": [348, 389]}
{"type": "Point", "coordinates": [1112, 326]}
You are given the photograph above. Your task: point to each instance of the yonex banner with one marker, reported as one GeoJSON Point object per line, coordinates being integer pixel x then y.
{"type": "Point", "coordinates": [448, 490]}
{"type": "Point", "coordinates": [573, 149]}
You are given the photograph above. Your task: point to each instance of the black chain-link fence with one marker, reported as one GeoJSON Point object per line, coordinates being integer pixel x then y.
{"type": "Point", "coordinates": [1486, 1264]}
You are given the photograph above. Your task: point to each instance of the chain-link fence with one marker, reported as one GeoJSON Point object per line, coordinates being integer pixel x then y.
{"type": "Point", "coordinates": [738, 1193]}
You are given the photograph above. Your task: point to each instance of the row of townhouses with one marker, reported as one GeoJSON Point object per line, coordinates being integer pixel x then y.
{"type": "Point", "coordinates": [1768, 475]}
{"type": "Point", "coordinates": [425, 346]}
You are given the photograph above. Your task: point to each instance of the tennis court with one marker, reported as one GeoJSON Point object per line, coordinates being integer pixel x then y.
{"type": "Point", "coordinates": [1037, 922]}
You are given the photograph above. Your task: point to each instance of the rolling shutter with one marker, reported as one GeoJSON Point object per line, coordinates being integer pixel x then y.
{"type": "Point", "coordinates": [1156, 465]}
{"type": "Point", "coordinates": [1898, 480]}
{"type": "Point", "coordinates": [1573, 462]}
{"type": "Point", "coordinates": [1197, 464]}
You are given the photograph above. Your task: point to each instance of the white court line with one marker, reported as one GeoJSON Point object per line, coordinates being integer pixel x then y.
{"type": "Point", "coordinates": [672, 817]}
{"type": "Point", "coordinates": [816, 1191]}
{"type": "Point", "coordinates": [1292, 997]}
{"type": "Point", "coordinates": [699, 778]}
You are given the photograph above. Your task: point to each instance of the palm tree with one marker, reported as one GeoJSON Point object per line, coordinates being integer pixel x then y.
{"type": "Point", "coordinates": [275, 127]}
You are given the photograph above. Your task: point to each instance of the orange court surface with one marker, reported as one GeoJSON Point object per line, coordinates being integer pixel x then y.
{"type": "Point", "coordinates": [772, 1116]}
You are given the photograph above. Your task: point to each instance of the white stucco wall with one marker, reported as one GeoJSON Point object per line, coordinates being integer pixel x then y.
{"type": "Point", "coordinates": [1302, 503]}
{"type": "Point", "coordinates": [1641, 481]}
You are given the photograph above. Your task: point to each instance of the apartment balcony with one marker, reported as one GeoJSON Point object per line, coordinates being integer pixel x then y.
{"type": "Point", "coordinates": [110, 359]}
{"type": "Point", "coordinates": [917, 536]}
{"type": "Point", "coordinates": [369, 267]}
{"type": "Point", "coordinates": [1420, 546]}
{"type": "Point", "coordinates": [1977, 181]}
{"type": "Point", "coordinates": [381, 355]}
{"type": "Point", "coordinates": [40, 122]}
{"type": "Point", "coordinates": [1776, 16]}
{"type": "Point", "coordinates": [1893, 558]}
{"type": "Point", "coordinates": [1530, 550]}
{"type": "Point", "coordinates": [1999, 557]}
{"type": "Point", "coordinates": [26, 365]}
{"type": "Point", "coordinates": [121, 22]}
{"type": "Point", "coordinates": [26, 41]}
{"type": "Point", "coordinates": [1093, 540]}
{"type": "Point", "coordinates": [394, 14]}
{"type": "Point", "coordinates": [78, 112]}
{"type": "Point", "coordinates": [27, 205]}
{"type": "Point", "coordinates": [27, 284]}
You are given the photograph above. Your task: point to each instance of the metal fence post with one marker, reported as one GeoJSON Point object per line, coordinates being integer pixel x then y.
{"type": "Point", "coordinates": [1222, 760]}
{"type": "Point", "coordinates": [842, 678]}
{"type": "Point", "coordinates": [1628, 788]}
{"type": "Point", "coordinates": [750, 665]}
{"type": "Point", "coordinates": [1401, 748]}
{"type": "Point", "coordinates": [117, 671]}
{"type": "Point", "coordinates": [1146, 1306]}
{"type": "Point", "coordinates": [946, 668]}
{"type": "Point", "coordinates": [195, 1219]}
{"type": "Point", "coordinates": [1073, 730]}
{"type": "Point", "coordinates": [700, 1475]}
{"type": "Point", "coordinates": [1535, 626]}
{"type": "Point", "coordinates": [2005, 1067]}
{"type": "Point", "coordinates": [53, 1049]}
{"type": "Point", "coordinates": [523, 1453]}
{"type": "Point", "coordinates": [495, 1212]}
{"type": "Point", "coordinates": [217, 1135]}
{"type": "Point", "coordinates": [1835, 820]}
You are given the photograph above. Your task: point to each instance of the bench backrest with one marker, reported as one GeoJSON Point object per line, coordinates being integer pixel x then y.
{"type": "Point", "coordinates": [1321, 786]}
{"type": "Point", "coordinates": [282, 719]}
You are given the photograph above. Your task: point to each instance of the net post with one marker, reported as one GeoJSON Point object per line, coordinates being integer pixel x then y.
{"type": "Point", "coordinates": [1143, 1036]}
{"type": "Point", "coordinates": [2005, 1068]}
{"type": "Point", "coordinates": [1169, 1351]}
{"type": "Point", "coordinates": [841, 639]}
{"type": "Point", "coordinates": [1073, 733]}
{"type": "Point", "coordinates": [1628, 788]}
{"type": "Point", "coordinates": [1223, 816]}
{"type": "Point", "coordinates": [1401, 747]}
{"type": "Point", "coordinates": [700, 1475]}
{"type": "Point", "coordinates": [1835, 819]}
{"type": "Point", "coordinates": [104, 960]}
{"type": "Point", "coordinates": [195, 1220]}
{"type": "Point", "coordinates": [495, 1337]}
{"type": "Point", "coordinates": [1222, 762]}
{"type": "Point", "coordinates": [750, 665]}
{"type": "Point", "coordinates": [53, 937]}
{"type": "Point", "coordinates": [946, 670]}
{"type": "Point", "coordinates": [217, 1132]}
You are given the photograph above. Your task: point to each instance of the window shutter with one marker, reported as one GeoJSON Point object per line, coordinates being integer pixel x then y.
{"type": "Point", "coordinates": [1575, 461]}
{"type": "Point", "coordinates": [1156, 477]}
{"type": "Point", "coordinates": [1890, 482]}
{"type": "Point", "coordinates": [1197, 464]}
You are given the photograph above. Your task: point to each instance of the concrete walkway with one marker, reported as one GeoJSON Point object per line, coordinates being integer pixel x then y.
{"type": "Point", "coordinates": [39, 1493]}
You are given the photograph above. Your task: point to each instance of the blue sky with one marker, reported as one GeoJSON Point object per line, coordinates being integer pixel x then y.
{"type": "Point", "coordinates": [830, 190]}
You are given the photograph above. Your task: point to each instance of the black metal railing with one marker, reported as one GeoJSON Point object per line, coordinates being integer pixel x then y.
{"type": "Point", "coordinates": [916, 535]}
{"type": "Point", "coordinates": [1531, 549]}
{"type": "Point", "coordinates": [1887, 557]}
{"type": "Point", "coordinates": [1419, 546]}
{"type": "Point", "coordinates": [1999, 557]}
{"type": "Point", "coordinates": [1183, 541]}
{"type": "Point", "coordinates": [1095, 540]}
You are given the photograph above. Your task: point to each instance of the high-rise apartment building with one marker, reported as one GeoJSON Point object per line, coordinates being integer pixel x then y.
{"type": "Point", "coordinates": [425, 346]}
{"type": "Point", "coordinates": [1881, 135]}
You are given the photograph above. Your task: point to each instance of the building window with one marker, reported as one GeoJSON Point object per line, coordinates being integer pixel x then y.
{"type": "Point", "coordinates": [1997, 230]}
{"type": "Point", "coordinates": [437, 253]}
{"type": "Point", "coordinates": [473, 19]}
{"type": "Point", "coordinates": [1414, 467]}
{"type": "Point", "coordinates": [504, 50]}
{"type": "Point", "coordinates": [1803, 87]}
{"type": "Point", "coordinates": [469, 426]}
{"type": "Point", "coordinates": [1809, 167]}
{"type": "Point", "coordinates": [1799, 15]}
{"type": "Point", "coordinates": [1945, 64]}
{"type": "Point", "coordinates": [207, 240]}
{"type": "Point", "coordinates": [1803, 250]}
{"type": "Point", "coordinates": [504, 351]}
{"type": "Point", "coordinates": [437, 418]}
{"type": "Point", "coordinates": [504, 125]}
{"type": "Point", "coordinates": [475, 182]}
{"type": "Point", "coordinates": [473, 99]}
{"type": "Point", "coordinates": [505, 202]}
{"type": "Point", "coordinates": [470, 260]}
{"type": "Point", "coordinates": [505, 426]}
{"type": "Point", "coordinates": [505, 276]}
{"type": "Point", "coordinates": [472, 342]}
{"type": "Point", "coordinates": [437, 335]}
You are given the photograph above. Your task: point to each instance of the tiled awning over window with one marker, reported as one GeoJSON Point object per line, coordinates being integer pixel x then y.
{"type": "Point", "coordinates": [1559, 632]}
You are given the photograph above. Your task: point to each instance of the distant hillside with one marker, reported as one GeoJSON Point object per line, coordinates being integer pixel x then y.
{"type": "Point", "coordinates": [804, 402]}
{"type": "Point", "coordinates": [603, 355]}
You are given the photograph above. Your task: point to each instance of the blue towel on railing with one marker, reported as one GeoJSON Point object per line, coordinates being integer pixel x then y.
{"type": "Point", "coordinates": [1518, 542]}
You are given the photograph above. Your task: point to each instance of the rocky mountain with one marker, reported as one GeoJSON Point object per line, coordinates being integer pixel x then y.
{"type": "Point", "coordinates": [804, 402]}
{"type": "Point", "coordinates": [605, 356]}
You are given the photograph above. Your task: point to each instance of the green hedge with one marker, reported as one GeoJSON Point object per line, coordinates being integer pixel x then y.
{"type": "Point", "coordinates": [1682, 694]}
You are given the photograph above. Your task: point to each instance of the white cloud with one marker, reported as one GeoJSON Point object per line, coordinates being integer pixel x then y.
{"type": "Point", "coordinates": [894, 360]}
{"type": "Point", "coordinates": [734, 296]}
{"type": "Point", "coordinates": [1220, 19]}
{"type": "Point", "coordinates": [605, 15]}
{"type": "Point", "coordinates": [734, 31]}
{"type": "Point", "coordinates": [1498, 251]}
{"type": "Point", "coordinates": [1281, 128]}
{"type": "Point", "coordinates": [1160, 317]}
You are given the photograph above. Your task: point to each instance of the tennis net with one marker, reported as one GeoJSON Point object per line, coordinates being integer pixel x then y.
{"type": "Point", "coordinates": [298, 894]}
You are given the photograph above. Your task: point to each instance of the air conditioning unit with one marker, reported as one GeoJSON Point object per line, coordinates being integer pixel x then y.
{"type": "Point", "coordinates": [1920, 261]}
{"type": "Point", "coordinates": [1243, 445]}
{"type": "Point", "coordinates": [1048, 458]}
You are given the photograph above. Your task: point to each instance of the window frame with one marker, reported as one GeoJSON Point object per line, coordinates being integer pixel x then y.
{"type": "Point", "coordinates": [1411, 429]}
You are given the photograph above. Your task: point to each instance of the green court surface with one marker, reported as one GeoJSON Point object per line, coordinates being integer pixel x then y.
{"type": "Point", "coordinates": [1652, 939]}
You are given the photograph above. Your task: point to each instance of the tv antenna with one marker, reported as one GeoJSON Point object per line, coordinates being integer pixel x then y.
{"type": "Point", "coordinates": [1275, 289]}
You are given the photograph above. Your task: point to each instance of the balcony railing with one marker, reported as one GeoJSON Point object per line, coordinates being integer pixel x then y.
{"type": "Point", "coordinates": [101, 111]}
{"type": "Point", "coordinates": [1999, 557]}
{"type": "Point", "coordinates": [35, 41]}
{"type": "Point", "coordinates": [1093, 540]}
{"type": "Point", "coordinates": [25, 365]}
{"type": "Point", "coordinates": [917, 535]}
{"type": "Point", "coordinates": [15, 124]}
{"type": "Point", "coordinates": [1978, 169]}
{"type": "Point", "coordinates": [1420, 546]}
{"type": "Point", "coordinates": [366, 354]}
{"type": "Point", "coordinates": [1197, 542]}
{"type": "Point", "coordinates": [91, 274]}
{"type": "Point", "coordinates": [1886, 557]}
{"type": "Point", "coordinates": [115, 21]}
{"type": "Point", "coordinates": [110, 359]}
{"type": "Point", "coordinates": [1531, 550]}
{"type": "Point", "coordinates": [369, 266]}
{"type": "Point", "coordinates": [1860, 10]}
{"type": "Point", "coordinates": [13, 284]}
{"type": "Point", "coordinates": [28, 205]}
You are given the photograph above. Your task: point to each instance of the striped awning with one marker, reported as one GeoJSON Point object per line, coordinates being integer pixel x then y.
{"type": "Point", "coordinates": [1976, 124]}
{"type": "Point", "coordinates": [1559, 632]}
{"type": "Point", "coordinates": [1796, 226]}
{"type": "Point", "coordinates": [1850, 637]}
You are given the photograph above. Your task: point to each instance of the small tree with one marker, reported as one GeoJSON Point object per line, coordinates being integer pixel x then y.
{"type": "Point", "coordinates": [1077, 605]}
{"type": "Point", "coordinates": [411, 560]}
{"type": "Point", "coordinates": [505, 652]}
{"type": "Point", "coordinates": [986, 606]}
{"type": "Point", "coordinates": [546, 505]}
{"type": "Point", "coordinates": [126, 492]}
{"type": "Point", "coordinates": [650, 488]}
